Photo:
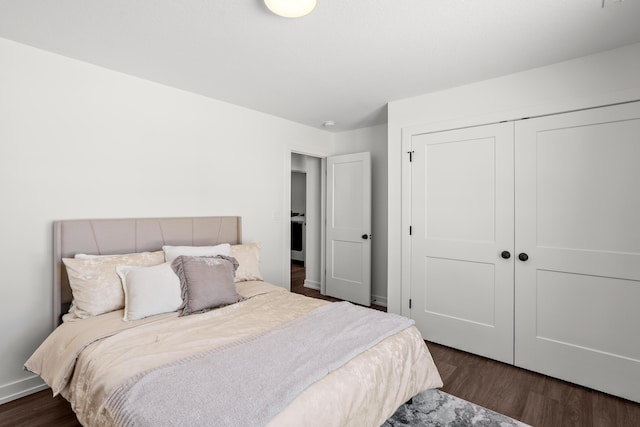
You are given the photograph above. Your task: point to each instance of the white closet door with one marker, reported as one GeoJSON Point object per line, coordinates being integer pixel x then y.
{"type": "Point", "coordinates": [577, 297]}
{"type": "Point", "coordinates": [462, 221]}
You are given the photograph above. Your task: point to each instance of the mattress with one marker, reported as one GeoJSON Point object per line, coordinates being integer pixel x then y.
{"type": "Point", "coordinates": [88, 360]}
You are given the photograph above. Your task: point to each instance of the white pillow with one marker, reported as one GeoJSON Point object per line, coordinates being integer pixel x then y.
{"type": "Point", "coordinates": [173, 252]}
{"type": "Point", "coordinates": [149, 290]}
{"type": "Point", "coordinates": [248, 257]}
{"type": "Point", "coordinates": [88, 256]}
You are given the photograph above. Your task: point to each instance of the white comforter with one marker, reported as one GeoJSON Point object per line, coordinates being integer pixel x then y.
{"type": "Point", "coordinates": [87, 360]}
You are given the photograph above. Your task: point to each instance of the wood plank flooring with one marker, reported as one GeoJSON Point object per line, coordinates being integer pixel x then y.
{"type": "Point", "coordinates": [530, 397]}
{"type": "Point", "coordinates": [533, 398]}
{"type": "Point", "coordinates": [38, 410]}
{"type": "Point", "coordinates": [297, 286]}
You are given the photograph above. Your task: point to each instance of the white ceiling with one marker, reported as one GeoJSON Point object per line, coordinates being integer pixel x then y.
{"type": "Point", "coordinates": [343, 62]}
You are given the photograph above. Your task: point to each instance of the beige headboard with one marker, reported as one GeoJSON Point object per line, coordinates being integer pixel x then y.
{"type": "Point", "coordinates": [119, 236]}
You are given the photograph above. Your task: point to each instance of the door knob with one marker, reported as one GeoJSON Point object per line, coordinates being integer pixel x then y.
{"type": "Point", "coordinates": [505, 254]}
{"type": "Point", "coordinates": [365, 236]}
{"type": "Point", "coordinates": [523, 257]}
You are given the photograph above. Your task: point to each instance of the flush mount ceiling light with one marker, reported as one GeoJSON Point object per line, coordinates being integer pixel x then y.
{"type": "Point", "coordinates": [291, 8]}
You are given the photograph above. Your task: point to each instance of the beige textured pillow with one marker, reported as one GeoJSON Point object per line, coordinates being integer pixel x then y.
{"type": "Point", "coordinates": [248, 257]}
{"type": "Point", "coordinates": [96, 286]}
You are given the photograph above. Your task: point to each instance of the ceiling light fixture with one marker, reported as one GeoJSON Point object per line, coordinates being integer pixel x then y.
{"type": "Point", "coordinates": [291, 8]}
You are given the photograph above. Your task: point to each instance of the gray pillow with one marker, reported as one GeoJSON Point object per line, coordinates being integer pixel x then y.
{"type": "Point", "coordinates": [206, 282]}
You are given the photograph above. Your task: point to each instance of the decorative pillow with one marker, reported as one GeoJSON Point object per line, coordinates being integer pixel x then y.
{"type": "Point", "coordinates": [248, 257]}
{"type": "Point", "coordinates": [206, 282]}
{"type": "Point", "coordinates": [173, 252]}
{"type": "Point", "coordinates": [149, 290]}
{"type": "Point", "coordinates": [96, 286]}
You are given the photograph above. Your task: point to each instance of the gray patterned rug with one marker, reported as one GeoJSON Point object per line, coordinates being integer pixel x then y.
{"type": "Point", "coordinates": [437, 408]}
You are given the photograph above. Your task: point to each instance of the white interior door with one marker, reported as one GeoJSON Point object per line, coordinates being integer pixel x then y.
{"type": "Point", "coordinates": [578, 221]}
{"type": "Point", "coordinates": [462, 222]}
{"type": "Point", "coordinates": [348, 231]}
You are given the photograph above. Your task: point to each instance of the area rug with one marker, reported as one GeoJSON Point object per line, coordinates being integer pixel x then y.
{"type": "Point", "coordinates": [437, 408]}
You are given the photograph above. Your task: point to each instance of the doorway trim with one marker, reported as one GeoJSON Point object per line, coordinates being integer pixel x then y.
{"type": "Point", "coordinates": [286, 209]}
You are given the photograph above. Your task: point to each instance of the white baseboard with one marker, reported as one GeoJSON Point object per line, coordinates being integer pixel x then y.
{"type": "Point", "coordinates": [378, 300]}
{"type": "Point", "coordinates": [311, 284]}
{"type": "Point", "coordinates": [21, 388]}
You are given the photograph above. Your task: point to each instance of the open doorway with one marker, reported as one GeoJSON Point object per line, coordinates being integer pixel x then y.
{"type": "Point", "coordinates": [306, 232]}
{"type": "Point", "coordinates": [311, 272]}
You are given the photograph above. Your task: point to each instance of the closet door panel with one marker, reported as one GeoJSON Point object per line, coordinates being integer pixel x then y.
{"type": "Point", "coordinates": [592, 322]}
{"type": "Point", "coordinates": [462, 219]}
{"type": "Point", "coordinates": [577, 210]}
{"type": "Point", "coordinates": [584, 172]}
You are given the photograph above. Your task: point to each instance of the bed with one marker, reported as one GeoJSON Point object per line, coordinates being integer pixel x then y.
{"type": "Point", "coordinates": [272, 358]}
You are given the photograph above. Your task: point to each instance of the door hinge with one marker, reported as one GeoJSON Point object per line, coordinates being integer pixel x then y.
{"type": "Point", "coordinates": [410, 155]}
{"type": "Point", "coordinates": [409, 302]}
{"type": "Point", "coordinates": [410, 230]}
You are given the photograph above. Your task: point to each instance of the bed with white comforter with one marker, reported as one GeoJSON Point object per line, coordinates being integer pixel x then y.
{"type": "Point", "coordinates": [137, 350]}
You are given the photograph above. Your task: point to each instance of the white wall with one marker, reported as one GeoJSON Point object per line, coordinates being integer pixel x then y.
{"type": "Point", "coordinates": [374, 140]}
{"type": "Point", "coordinates": [79, 141]}
{"type": "Point", "coordinates": [608, 77]}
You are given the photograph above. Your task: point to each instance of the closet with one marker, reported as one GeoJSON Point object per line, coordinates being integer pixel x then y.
{"type": "Point", "coordinates": [525, 243]}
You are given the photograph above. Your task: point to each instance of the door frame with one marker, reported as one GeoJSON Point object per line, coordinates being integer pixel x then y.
{"type": "Point", "coordinates": [405, 223]}
{"type": "Point", "coordinates": [286, 209]}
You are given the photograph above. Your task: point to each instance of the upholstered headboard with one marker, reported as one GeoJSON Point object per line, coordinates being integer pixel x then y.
{"type": "Point", "coordinates": [119, 236]}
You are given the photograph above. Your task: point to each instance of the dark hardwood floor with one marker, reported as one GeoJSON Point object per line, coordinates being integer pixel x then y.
{"type": "Point", "coordinates": [38, 410]}
{"type": "Point", "coordinates": [530, 397]}
{"type": "Point", "coordinates": [297, 286]}
{"type": "Point", "coordinates": [533, 398]}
